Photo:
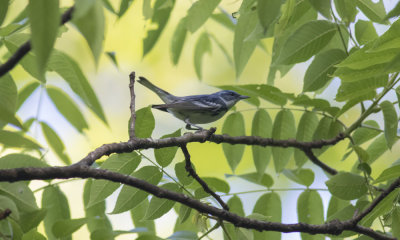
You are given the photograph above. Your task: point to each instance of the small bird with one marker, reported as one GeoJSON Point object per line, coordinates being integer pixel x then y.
{"type": "Point", "coordinates": [195, 109]}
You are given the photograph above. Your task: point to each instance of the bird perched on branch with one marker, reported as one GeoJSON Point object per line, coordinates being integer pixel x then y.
{"type": "Point", "coordinates": [195, 109]}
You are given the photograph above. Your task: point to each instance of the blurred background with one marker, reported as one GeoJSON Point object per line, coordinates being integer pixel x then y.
{"type": "Point", "coordinates": [124, 37]}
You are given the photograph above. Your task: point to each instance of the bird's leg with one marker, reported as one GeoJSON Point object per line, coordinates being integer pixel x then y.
{"type": "Point", "coordinates": [189, 126]}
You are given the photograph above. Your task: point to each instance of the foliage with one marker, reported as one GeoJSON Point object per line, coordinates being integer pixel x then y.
{"type": "Point", "coordinates": [337, 41]}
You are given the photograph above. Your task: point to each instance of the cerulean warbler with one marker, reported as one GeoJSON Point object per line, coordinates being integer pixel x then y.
{"type": "Point", "coordinates": [196, 109]}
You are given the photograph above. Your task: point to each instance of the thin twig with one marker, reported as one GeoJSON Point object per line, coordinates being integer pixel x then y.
{"type": "Point", "coordinates": [318, 162]}
{"type": "Point", "coordinates": [132, 106]}
{"type": "Point", "coordinates": [26, 47]}
{"type": "Point", "coordinates": [193, 173]}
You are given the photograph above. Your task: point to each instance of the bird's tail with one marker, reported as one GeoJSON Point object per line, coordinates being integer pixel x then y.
{"type": "Point", "coordinates": [164, 95]}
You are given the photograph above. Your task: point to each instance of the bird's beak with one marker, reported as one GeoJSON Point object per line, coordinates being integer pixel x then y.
{"type": "Point", "coordinates": [244, 97]}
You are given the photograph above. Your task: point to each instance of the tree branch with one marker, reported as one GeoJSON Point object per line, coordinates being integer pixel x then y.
{"type": "Point", "coordinates": [82, 171]}
{"type": "Point", "coordinates": [132, 106]}
{"type": "Point", "coordinates": [193, 173]}
{"type": "Point", "coordinates": [201, 136]}
{"type": "Point", "coordinates": [318, 162]}
{"type": "Point", "coordinates": [376, 201]}
{"type": "Point", "coordinates": [26, 47]}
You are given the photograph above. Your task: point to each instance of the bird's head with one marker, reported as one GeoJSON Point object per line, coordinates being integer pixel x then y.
{"type": "Point", "coordinates": [230, 97]}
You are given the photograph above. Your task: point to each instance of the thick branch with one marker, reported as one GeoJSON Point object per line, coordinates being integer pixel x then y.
{"type": "Point", "coordinates": [26, 47]}
{"type": "Point", "coordinates": [201, 136]}
{"type": "Point", "coordinates": [193, 173]}
{"type": "Point", "coordinates": [82, 171]}
{"type": "Point", "coordinates": [132, 106]}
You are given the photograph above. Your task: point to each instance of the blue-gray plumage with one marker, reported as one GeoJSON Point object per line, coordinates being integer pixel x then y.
{"type": "Point", "coordinates": [195, 109]}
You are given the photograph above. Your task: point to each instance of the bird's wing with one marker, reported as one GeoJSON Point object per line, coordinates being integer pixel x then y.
{"type": "Point", "coordinates": [192, 105]}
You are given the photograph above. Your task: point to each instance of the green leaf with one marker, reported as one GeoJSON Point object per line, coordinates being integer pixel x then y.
{"type": "Point", "coordinates": [305, 130]}
{"type": "Point", "coordinates": [145, 123]}
{"type": "Point", "coordinates": [160, 18]}
{"type": "Point", "coordinates": [382, 208]}
{"type": "Point", "coordinates": [396, 222]}
{"type": "Point", "coordinates": [70, 71]}
{"type": "Point", "coordinates": [284, 128]}
{"type": "Point", "coordinates": [21, 194]}
{"type": "Point", "coordinates": [18, 160]}
{"type": "Point", "coordinates": [363, 134]}
{"type": "Point", "coordinates": [321, 69]}
{"type": "Point", "coordinates": [8, 100]}
{"type": "Point", "coordinates": [30, 220]}
{"type": "Point", "coordinates": [391, 122]}
{"type": "Point", "coordinates": [316, 103]}
{"type": "Point", "coordinates": [184, 213]}
{"type": "Point", "coordinates": [394, 12]}
{"type": "Point", "coordinates": [323, 7]}
{"type": "Point", "coordinates": [33, 235]}
{"type": "Point", "coordinates": [347, 10]}
{"type": "Point", "coordinates": [91, 25]}
{"type": "Point", "coordinates": [365, 31]}
{"type": "Point", "coordinates": [113, 58]}
{"type": "Point", "coordinates": [44, 18]}
{"type": "Point", "coordinates": [13, 139]}
{"type": "Point", "coordinates": [124, 7]}
{"type": "Point", "coordinates": [377, 148]}
{"type": "Point", "coordinates": [164, 156]}
{"type": "Point", "coordinates": [66, 106]}
{"type": "Point", "coordinates": [225, 19]}
{"type": "Point", "coordinates": [65, 227]}
{"type": "Point", "coordinates": [29, 61]}
{"type": "Point", "coordinates": [265, 180]}
{"type": "Point", "coordinates": [137, 215]}
{"type": "Point", "coordinates": [388, 174]}
{"type": "Point", "coordinates": [360, 89]}
{"type": "Point", "coordinates": [182, 174]}
{"type": "Point", "coordinates": [365, 58]}
{"type": "Point", "coordinates": [183, 235]}
{"type": "Point", "coordinates": [82, 7]}
{"type": "Point", "coordinates": [96, 217]}
{"type": "Point", "coordinates": [234, 126]}
{"type": "Point", "coordinates": [268, 11]}
{"type": "Point", "coordinates": [310, 210]}
{"type": "Point", "coordinates": [3, 10]}
{"type": "Point", "coordinates": [203, 45]}
{"type": "Point", "coordinates": [374, 11]}
{"type": "Point", "coordinates": [124, 163]}
{"type": "Point", "coordinates": [270, 206]}
{"type": "Point", "coordinates": [306, 41]}
{"type": "Point", "coordinates": [261, 126]}
{"type": "Point", "coordinates": [7, 203]}
{"type": "Point", "coordinates": [336, 205]}
{"type": "Point", "coordinates": [56, 204]}
{"type": "Point", "coordinates": [223, 49]}
{"type": "Point", "coordinates": [178, 40]}
{"type": "Point", "coordinates": [130, 197]}
{"type": "Point", "coordinates": [25, 92]}
{"type": "Point", "coordinates": [301, 176]}
{"type": "Point", "coordinates": [242, 49]}
{"type": "Point", "coordinates": [160, 206]}
{"type": "Point", "coordinates": [347, 186]}
{"type": "Point", "coordinates": [199, 12]}
{"type": "Point", "coordinates": [235, 206]}
{"type": "Point", "coordinates": [55, 143]}
{"type": "Point", "coordinates": [216, 184]}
